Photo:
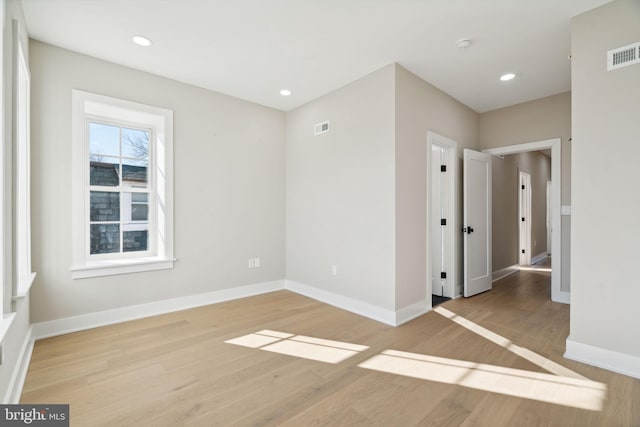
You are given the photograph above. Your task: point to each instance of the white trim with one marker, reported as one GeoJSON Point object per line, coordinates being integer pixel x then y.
{"type": "Point", "coordinates": [611, 360]}
{"type": "Point", "coordinates": [122, 266]}
{"type": "Point", "coordinates": [346, 303]}
{"type": "Point", "coordinates": [541, 256]}
{"type": "Point", "coordinates": [132, 312]}
{"type": "Point", "coordinates": [557, 294]}
{"type": "Point", "coordinates": [24, 286]}
{"type": "Point", "coordinates": [548, 216]}
{"type": "Point", "coordinates": [5, 324]}
{"type": "Point", "coordinates": [413, 311]}
{"type": "Point", "coordinates": [560, 296]}
{"type": "Point", "coordinates": [21, 140]}
{"type": "Point", "coordinates": [84, 105]}
{"type": "Point", "coordinates": [504, 272]}
{"type": "Point", "coordinates": [523, 148]}
{"type": "Point", "coordinates": [16, 384]}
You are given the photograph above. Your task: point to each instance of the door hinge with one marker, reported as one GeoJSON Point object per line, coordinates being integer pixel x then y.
{"type": "Point", "coordinates": [522, 219]}
{"type": "Point", "coordinates": [523, 251]}
{"type": "Point", "coordinates": [443, 221]}
{"type": "Point", "coordinates": [443, 168]}
{"type": "Point", "coordinates": [523, 186]}
{"type": "Point", "coordinates": [443, 275]}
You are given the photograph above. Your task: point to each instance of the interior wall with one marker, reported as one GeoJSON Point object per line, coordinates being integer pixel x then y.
{"type": "Point", "coordinates": [506, 224]}
{"type": "Point", "coordinates": [228, 187]}
{"type": "Point", "coordinates": [605, 295]}
{"type": "Point", "coordinates": [539, 120]}
{"type": "Point", "coordinates": [18, 332]}
{"type": "Point", "coordinates": [420, 107]}
{"type": "Point", "coordinates": [340, 192]}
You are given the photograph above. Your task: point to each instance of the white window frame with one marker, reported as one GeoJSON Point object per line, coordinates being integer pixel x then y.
{"type": "Point", "coordinates": [93, 107]}
{"type": "Point", "coordinates": [22, 186]}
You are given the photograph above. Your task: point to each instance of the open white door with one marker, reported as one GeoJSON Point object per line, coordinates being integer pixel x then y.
{"type": "Point", "coordinates": [477, 222]}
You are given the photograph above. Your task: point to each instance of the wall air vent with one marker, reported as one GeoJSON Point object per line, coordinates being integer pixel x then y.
{"type": "Point", "coordinates": [623, 56]}
{"type": "Point", "coordinates": [321, 128]}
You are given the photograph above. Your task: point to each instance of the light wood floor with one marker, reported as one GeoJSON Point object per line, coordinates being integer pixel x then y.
{"type": "Point", "coordinates": [175, 369]}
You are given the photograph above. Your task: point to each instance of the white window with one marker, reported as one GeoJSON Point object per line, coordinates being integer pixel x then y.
{"type": "Point", "coordinates": [23, 274]}
{"type": "Point", "coordinates": [122, 194]}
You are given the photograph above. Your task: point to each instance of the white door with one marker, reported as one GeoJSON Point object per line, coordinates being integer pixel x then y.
{"type": "Point", "coordinates": [437, 232]}
{"type": "Point", "coordinates": [477, 222]}
{"type": "Point", "coordinates": [442, 222]}
{"type": "Point", "coordinates": [524, 217]}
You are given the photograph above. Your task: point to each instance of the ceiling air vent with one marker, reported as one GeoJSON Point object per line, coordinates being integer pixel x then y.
{"type": "Point", "coordinates": [623, 56]}
{"type": "Point", "coordinates": [321, 128]}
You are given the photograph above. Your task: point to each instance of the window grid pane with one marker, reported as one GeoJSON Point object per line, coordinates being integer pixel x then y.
{"type": "Point", "coordinates": [118, 158]}
{"type": "Point", "coordinates": [105, 238]}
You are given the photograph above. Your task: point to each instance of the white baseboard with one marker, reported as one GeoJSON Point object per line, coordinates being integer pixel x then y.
{"type": "Point", "coordinates": [409, 313]}
{"type": "Point", "coordinates": [561, 297]}
{"type": "Point", "coordinates": [123, 314]}
{"type": "Point", "coordinates": [536, 259]}
{"type": "Point", "coordinates": [504, 272]}
{"type": "Point", "coordinates": [621, 363]}
{"type": "Point", "coordinates": [14, 391]}
{"type": "Point", "coordinates": [346, 303]}
{"type": "Point", "coordinates": [383, 315]}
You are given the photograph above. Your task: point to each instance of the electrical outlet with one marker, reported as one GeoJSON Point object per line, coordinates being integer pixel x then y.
{"type": "Point", "coordinates": [251, 263]}
{"type": "Point", "coordinates": [334, 270]}
{"type": "Point", "coordinates": [256, 262]}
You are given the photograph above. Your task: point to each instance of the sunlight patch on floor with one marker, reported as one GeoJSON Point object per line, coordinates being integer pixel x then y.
{"type": "Point", "coordinates": [534, 268]}
{"type": "Point", "coordinates": [312, 348]}
{"type": "Point", "coordinates": [574, 392]}
{"type": "Point", "coordinates": [525, 353]}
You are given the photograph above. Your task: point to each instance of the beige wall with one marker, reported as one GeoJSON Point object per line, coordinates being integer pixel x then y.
{"type": "Point", "coordinates": [356, 196]}
{"type": "Point", "coordinates": [538, 120]}
{"type": "Point", "coordinates": [606, 149]}
{"type": "Point", "coordinates": [505, 205]}
{"type": "Point", "coordinates": [340, 191]}
{"type": "Point", "coordinates": [228, 187]}
{"type": "Point", "coordinates": [420, 108]}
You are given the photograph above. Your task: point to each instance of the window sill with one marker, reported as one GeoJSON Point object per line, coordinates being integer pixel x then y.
{"type": "Point", "coordinates": [24, 286]}
{"type": "Point", "coordinates": [5, 324]}
{"type": "Point", "coordinates": [124, 266]}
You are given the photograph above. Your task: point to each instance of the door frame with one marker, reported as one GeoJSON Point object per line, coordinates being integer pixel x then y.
{"type": "Point", "coordinates": [524, 218]}
{"type": "Point", "coordinates": [450, 259]}
{"type": "Point", "coordinates": [557, 294]}
{"type": "Point", "coordinates": [549, 216]}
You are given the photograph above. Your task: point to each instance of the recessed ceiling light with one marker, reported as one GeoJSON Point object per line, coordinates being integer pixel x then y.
{"type": "Point", "coordinates": [141, 41]}
{"type": "Point", "coordinates": [507, 77]}
{"type": "Point", "coordinates": [285, 92]}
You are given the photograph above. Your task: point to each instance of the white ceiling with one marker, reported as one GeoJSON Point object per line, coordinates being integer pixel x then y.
{"type": "Point", "coordinates": [251, 49]}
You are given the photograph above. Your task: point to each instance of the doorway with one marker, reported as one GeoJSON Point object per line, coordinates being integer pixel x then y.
{"type": "Point", "coordinates": [557, 294]}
